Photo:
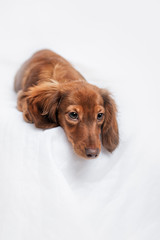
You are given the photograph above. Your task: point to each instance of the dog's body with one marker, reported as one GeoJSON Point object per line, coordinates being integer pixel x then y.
{"type": "Point", "coordinates": [52, 93]}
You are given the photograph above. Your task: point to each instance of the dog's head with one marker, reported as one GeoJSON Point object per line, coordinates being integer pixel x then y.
{"type": "Point", "coordinates": [86, 113]}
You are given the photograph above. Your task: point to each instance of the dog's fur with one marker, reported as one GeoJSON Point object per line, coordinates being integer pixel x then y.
{"type": "Point", "coordinates": [51, 93]}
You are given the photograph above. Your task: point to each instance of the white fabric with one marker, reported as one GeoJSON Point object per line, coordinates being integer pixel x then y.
{"type": "Point", "coordinates": [46, 191]}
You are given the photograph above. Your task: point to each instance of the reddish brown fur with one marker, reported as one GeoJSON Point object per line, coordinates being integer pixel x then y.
{"type": "Point", "coordinates": [49, 89]}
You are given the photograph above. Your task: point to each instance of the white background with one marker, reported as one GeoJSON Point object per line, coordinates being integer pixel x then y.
{"type": "Point", "coordinates": [46, 191]}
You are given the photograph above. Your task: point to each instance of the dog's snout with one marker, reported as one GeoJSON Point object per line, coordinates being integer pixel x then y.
{"type": "Point", "coordinates": [92, 152]}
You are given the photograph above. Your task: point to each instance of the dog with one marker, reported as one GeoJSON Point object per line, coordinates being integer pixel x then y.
{"type": "Point", "coordinates": [51, 93]}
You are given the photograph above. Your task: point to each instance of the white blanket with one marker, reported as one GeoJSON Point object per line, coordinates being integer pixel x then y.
{"type": "Point", "coordinates": [46, 191]}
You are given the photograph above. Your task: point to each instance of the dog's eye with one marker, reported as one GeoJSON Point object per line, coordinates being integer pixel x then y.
{"type": "Point", "coordinates": [99, 116]}
{"type": "Point", "coordinates": [73, 115]}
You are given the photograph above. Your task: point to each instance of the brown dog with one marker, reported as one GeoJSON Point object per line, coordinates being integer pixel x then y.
{"type": "Point", "coordinates": [52, 93]}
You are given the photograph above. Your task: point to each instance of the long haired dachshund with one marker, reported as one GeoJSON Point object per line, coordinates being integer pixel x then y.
{"type": "Point", "coordinates": [52, 93]}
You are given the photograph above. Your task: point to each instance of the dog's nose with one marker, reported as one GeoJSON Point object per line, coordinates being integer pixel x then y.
{"type": "Point", "coordinates": [92, 152]}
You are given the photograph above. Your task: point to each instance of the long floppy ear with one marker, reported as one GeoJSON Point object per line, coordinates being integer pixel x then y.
{"type": "Point", "coordinates": [42, 103]}
{"type": "Point", "coordinates": [110, 134]}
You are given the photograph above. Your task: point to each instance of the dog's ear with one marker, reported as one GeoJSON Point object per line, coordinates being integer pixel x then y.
{"type": "Point", "coordinates": [110, 134]}
{"type": "Point", "coordinates": [42, 103]}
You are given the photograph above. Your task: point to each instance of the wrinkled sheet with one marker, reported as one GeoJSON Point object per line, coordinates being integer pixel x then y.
{"type": "Point", "coordinates": [46, 191]}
